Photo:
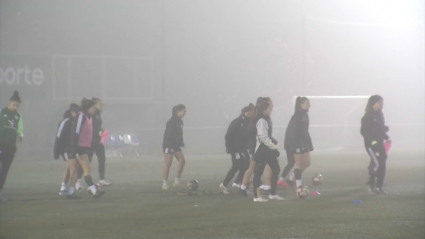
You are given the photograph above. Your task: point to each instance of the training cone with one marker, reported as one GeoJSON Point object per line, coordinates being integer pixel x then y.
{"type": "Point", "coordinates": [315, 193]}
{"type": "Point", "coordinates": [387, 146]}
{"type": "Point", "coordinates": [356, 201]}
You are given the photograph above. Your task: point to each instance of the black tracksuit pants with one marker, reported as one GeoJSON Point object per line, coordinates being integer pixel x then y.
{"type": "Point", "coordinates": [262, 157]}
{"type": "Point", "coordinates": [378, 164]}
{"type": "Point", "coordinates": [7, 153]}
{"type": "Point", "coordinates": [240, 162]}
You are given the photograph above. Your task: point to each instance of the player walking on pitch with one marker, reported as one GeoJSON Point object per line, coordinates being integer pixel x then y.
{"type": "Point", "coordinates": [374, 132]}
{"type": "Point", "coordinates": [237, 143]}
{"type": "Point", "coordinates": [80, 147]}
{"type": "Point", "coordinates": [266, 151]}
{"type": "Point", "coordinates": [298, 144]}
{"type": "Point", "coordinates": [11, 127]}
{"type": "Point", "coordinates": [63, 136]}
{"type": "Point", "coordinates": [172, 145]}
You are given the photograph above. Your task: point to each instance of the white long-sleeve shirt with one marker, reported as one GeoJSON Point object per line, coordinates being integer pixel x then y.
{"type": "Point", "coordinates": [263, 135]}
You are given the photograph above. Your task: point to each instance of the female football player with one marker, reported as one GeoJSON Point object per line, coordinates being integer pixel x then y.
{"type": "Point", "coordinates": [80, 147]}
{"type": "Point", "coordinates": [252, 144]}
{"type": "Point", "coordinates": [265, 151]}
{"type": "Point", "coordinates": [172, 145]}
{"type": "Point", "coordinates": [11, 127]}
{"type": "Point", "coordinates": [63, 136]}
{"type": "Point", "coordinates": [99, 148]}
{"type": "Point", "coordinates": [374, 132]}
{"type": "Point", "coordinates": [298, 144]}
{"type": "Point", "coordinates": [236, 141]}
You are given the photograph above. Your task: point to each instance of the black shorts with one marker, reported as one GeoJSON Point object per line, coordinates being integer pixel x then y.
{"type": "Point", "coordinates": [298, 151]}
{"type": "Point", "coordinates": [80, 151]}
{"type": "Point", "coordinates": [171, 150]}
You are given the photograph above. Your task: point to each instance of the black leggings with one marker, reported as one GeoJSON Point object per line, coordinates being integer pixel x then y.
{"type": "Point", "coordinates": [7, 153]}
{"type": "Point", "coordinates": [240, 162]}
{"type": "Point", "coordinates": [263, 157]}
{"type": "Point", "coordinates": [99, 149]}
{"type": "Point", "coordinates": [291, 163]}
{"type": "Point", "coordinates": [378, 165]}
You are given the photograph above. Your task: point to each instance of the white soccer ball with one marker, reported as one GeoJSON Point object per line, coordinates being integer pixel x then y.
{"type": "Point", "coordinates": [318, 179]}
{"type": "Point", "coordinates": [302, 192]}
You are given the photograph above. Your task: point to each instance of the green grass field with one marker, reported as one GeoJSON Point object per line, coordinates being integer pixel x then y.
{"type": "Point", "coordinates": [135, 206]}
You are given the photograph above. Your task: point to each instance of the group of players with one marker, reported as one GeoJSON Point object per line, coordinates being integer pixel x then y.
{"type": "Point", "coordinates": [250, 142]}
{"type": "Point", "coordinates": [77, 139]}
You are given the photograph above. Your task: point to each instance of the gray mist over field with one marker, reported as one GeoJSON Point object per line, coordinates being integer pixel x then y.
{"type": "Point", "coordinates": [215, 57]}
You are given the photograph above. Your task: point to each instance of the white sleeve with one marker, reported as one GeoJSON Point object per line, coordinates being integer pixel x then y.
{"type": "Point", "coordinates": [61, 127]}
{"type": "Point", "coordinates": [263, 134]}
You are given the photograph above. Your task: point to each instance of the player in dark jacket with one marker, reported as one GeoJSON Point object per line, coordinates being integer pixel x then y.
{"type": "Point", "coordinates": [99, 148]}
{"type": "Point", "coordinates": [172, 145]}
{"type": "Point", "coordinates": [11, 127]}
{"type": "Point", "coordinates": [374, 132]}
{"type": "Point", "coordinates": [298, 144]}
{"type": "Point", "coordinates": [237, 145]}
{"type": "Point", "coordinates": [63, 135]}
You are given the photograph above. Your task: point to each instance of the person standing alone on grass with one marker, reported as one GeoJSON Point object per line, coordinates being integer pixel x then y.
{"type": "Point", "coordinates": [237, 143]}
{"type": "Point", "coordinates": [11, 127]}
{"type": "Point", "coordinates": [374, 132]}
{"type": "Point", "coordinates": [266, 151]}
{"type": "Point", "coordinates": [172, 145]}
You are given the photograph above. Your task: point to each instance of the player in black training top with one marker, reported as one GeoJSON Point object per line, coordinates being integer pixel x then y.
{"type": "Point", "coordinates": [374, 132]}
{"type": "Point", "coordinates": [99, 148]}
{"type": "Point", "coordinates": [298, 144]}
{"type": "Point", "coordinates": [237, 144]}
{"type": "Point", "coordinates": [63, 136]}
{"type": "Point", "coordinates": [172, 145]}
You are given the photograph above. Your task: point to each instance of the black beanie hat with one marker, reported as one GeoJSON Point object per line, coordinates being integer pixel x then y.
{"type": "Point", "coordinates": [15, 97]}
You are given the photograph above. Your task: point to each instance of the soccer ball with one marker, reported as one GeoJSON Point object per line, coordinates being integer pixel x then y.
{"type": "Point", "coordinates": [192, 185]}
{"type": "Point", "coordinates": [302, 192]}
{"type": "Point", "coordinates": [317, 180]}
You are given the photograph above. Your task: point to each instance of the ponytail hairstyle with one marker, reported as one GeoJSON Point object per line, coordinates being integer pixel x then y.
{"type": "Point", "coordinates": [260, 108]}
{"type": "Point", "coordinates": [86, 104]}
{"type": "Point", "coordinates": [300, 100]}
{"type": "Point", "coordinates": [372, 101]}
{"type": "Point", "coordinates": [248, 108]}
{"type": "Point", "coordinates": [176, 109]}
{"type": "Point", "coordinates": [15, 97]}
{"type": "Point", "coordinates": [95, 100]}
